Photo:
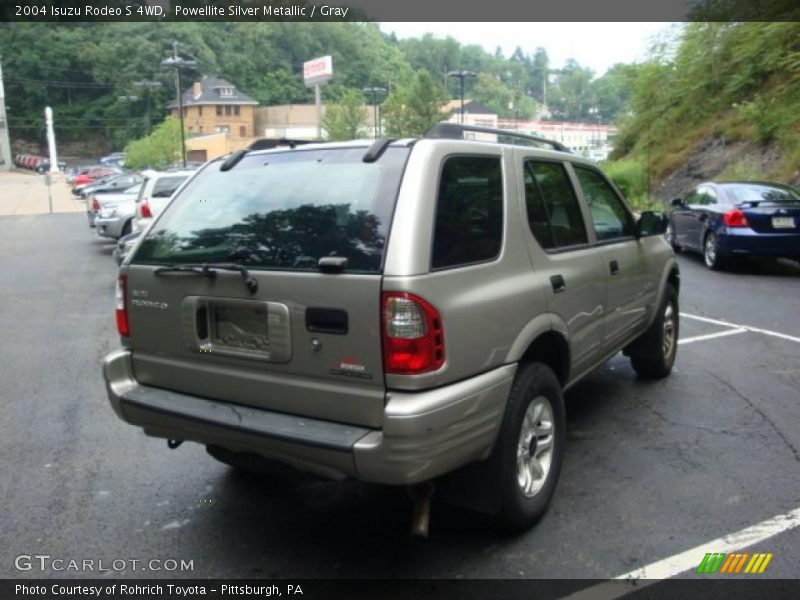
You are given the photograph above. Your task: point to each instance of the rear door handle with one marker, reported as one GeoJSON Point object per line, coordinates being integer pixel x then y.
{"type": "Point", "coordinates": [558, 283]}
{"type": "Point", "coordinates": [613, 267]}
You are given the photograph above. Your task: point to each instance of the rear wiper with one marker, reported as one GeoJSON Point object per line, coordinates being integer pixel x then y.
{"type": "Point", "coordinates": [210, 270]}
{"type": "Point", "coordinates": [188, 268]}
{"type": "Point", "coordinates": [250, 282]}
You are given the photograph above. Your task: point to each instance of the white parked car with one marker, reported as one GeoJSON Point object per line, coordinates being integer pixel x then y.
{"type": "Point", "coordinates": [157, 190]}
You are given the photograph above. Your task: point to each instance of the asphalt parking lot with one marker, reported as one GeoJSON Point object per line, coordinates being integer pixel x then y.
{"type": "Point", "coordinates": [651, 470]}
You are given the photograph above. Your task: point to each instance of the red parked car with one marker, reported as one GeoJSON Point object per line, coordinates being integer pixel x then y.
{"type": "Point", "coordinates": [92, 174]}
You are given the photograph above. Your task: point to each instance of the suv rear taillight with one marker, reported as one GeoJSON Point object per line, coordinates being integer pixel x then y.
{"type": "Point", "coordinates": [735, 218]}
{"type": "Point", "coordinates": [144, 210]}
{"type": "Point", "coordinates": [413, 338]}
{"type": "Point", "coordinates": [122, 310]}
{"type": "Point", "coordinates": [95, 204]}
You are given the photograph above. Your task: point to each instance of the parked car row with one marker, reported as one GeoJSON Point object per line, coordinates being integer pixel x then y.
{"type": "Point", "coordinates": [34, 162]}
{"type": "Point", "coordinates": [121, 205]}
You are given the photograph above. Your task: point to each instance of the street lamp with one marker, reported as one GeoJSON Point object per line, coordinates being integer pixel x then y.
{"type": "Point", "coordinates": [461, 75]}
{"type": "Point", "coordinates": [374, 91]}
{"type": "Point", "coordinates": [147, 86]}
{"type": "Point", "coordinates": [178, 62]}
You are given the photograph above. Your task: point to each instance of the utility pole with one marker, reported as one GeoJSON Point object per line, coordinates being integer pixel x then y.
{"type": "Point", "coordinates": [374, 91]}
{"type": "Point", "coordinates": [176, 62]}
{"type": "Point", "coordinates": [129, 100]}
{"type": "Point", "coordinates": [147, 86]}
{"type": "Point", "coordinates": [462, 75]}
{"type": "Point", "coordinates": [5, 146]}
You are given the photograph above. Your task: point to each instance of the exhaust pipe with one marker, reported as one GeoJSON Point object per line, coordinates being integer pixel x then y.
{"type": "Point", "coordinates": [421, 495]}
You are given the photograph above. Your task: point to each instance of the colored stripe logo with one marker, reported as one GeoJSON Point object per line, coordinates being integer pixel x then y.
{"type": "Point", "coordinates": [737, 562]}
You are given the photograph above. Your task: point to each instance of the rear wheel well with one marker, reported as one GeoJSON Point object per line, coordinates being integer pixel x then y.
{"type": "Point", "coordinates": [552, 350]}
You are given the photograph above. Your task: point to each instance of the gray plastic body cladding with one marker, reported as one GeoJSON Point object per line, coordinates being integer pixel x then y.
{"type": "Point", "coordinates": [425, 434]}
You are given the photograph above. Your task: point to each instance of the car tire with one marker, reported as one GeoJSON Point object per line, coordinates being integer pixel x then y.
{"type": "Point", "coordinates": [655, 351]}
{"type": "Point", "coordinates": [530, 446]}
{"type": "Point", "coordinates": [126, 229]}
{"type": "Point", "coordinates": [711, 255]}
{"type": "Point", "coordinates": [669, 235]}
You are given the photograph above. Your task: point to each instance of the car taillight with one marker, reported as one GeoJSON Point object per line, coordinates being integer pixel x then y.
{"type": "Point", "coordinates": [735, 218]}
{"type": "Point", "coordinates": [122, 310]}
{"type": "Point", "coordinates": [413, 337]}
{"type": "Point", "coordinates": [144, 209]}
{"type": "Point", "coordinates": [95, 204]}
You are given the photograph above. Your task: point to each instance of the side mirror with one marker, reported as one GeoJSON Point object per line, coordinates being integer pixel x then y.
{"type": "Point", "coordinates": [651, 223]}
{"type": "Point", "coordinates": [676, 203]}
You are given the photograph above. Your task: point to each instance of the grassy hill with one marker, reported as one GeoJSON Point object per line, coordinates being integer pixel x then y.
{"type": "Point", "coordinates": [721, 101]}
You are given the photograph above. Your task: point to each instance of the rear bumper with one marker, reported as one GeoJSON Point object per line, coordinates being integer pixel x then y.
{"type": "Point", "coordinates": [110, 228]}
{"type": "Point", "coordinates": [424, 434]}
{"type": "Point", "coordinates": [746, 242]}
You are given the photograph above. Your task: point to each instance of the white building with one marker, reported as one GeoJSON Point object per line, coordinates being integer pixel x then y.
{"type": "Point", "coordinates": [592, 140]}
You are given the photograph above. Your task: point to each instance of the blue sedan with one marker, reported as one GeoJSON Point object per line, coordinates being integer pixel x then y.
{"type": "Point", "coordinates": [726, 220]}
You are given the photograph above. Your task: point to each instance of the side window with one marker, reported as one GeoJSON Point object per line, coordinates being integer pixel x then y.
{"type": "Point", "coordinates": [610, 217]}
{"type": "Point", "coordinates": [469, 212]}
{"type": "Point", "coordinates": [166, 186]}
{"type": "Point", "coordinates": [554, 215]}
{"type": "Point", "coordinates": [693, 197]}
{"type": "Point", "coordinates": [706, 196]}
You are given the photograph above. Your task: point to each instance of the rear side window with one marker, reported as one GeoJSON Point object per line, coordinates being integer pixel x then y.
{"type": "Point", "coordinates": [164, 187]}
{"type": "Point", "coordinates": [469, 212]}
{"type": "Point", "coordinates": [554, 215]}
{"type": "Point", "coordinates": [282, 211]}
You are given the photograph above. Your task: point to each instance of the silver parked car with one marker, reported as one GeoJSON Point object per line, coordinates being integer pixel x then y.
{"type": "Point", "coordinates": [400, 312]}
{"type": "Point", "coordinates": [115, 217]}
{"type": "Point", "coordinates": [96, 202]}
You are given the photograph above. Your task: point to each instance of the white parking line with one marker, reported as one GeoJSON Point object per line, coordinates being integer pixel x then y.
{"type": "Point", "coordinates": [783, 336]}
{"type": "Point", "coordinates": [688, 560]}
{"type": "Point", "coordinates": [711, 336]}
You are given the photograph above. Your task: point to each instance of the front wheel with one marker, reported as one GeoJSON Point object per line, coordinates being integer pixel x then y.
{"type": "Point", "coordinates": [654, 353]}
{"type": "Point", "coordinates": [530, 446]}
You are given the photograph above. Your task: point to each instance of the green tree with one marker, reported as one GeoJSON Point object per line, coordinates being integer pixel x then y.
{"type": "Point", "coordinates": [413, 108]}
{"type": "Point", "coordinates": [158, 150]}
{"type": "Point", "coordinates": [492, 93]}
{"type": "Point", "coordinates": [346, 120]}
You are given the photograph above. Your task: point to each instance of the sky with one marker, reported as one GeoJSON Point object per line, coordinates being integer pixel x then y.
{"type": "Point", "coordinates": [594, 45]}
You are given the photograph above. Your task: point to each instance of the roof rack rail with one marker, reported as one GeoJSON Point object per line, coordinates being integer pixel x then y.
{"type": "Point", "coordinates": [377, 148]}
{"type": "Point", "coordinates": [455, 131]}
{"type": "Point", "coordinates": [269, 143]}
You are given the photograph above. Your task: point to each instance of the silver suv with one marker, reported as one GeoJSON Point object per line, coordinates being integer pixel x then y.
{"type": "Point", "coordinates": [403, 312]}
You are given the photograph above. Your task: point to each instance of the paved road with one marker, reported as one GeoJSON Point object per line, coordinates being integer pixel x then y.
{"type": "Point", "coordinates": [651, 469]}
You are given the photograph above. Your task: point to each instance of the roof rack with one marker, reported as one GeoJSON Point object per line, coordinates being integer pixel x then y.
{"type": "Point", "coordinates": [269, 143]}
{"type": "Point", "coordinates": [455, 131]}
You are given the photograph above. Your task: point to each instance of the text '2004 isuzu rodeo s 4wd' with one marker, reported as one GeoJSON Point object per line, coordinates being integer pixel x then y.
{"type": "Point", "coordinates": [397, 312]}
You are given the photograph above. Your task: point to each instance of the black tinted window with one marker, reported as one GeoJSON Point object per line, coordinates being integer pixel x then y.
{"type": "Point", "coordinates": [554, 215]}
{"type": "Point", "coordinates": [469, 211]}
{"type": "Point", "coordinates": [740, 193]}
{"type": "Point", "coordinates": [282, 210]}
{"type": "Point", "coordinates": [164, 187]}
